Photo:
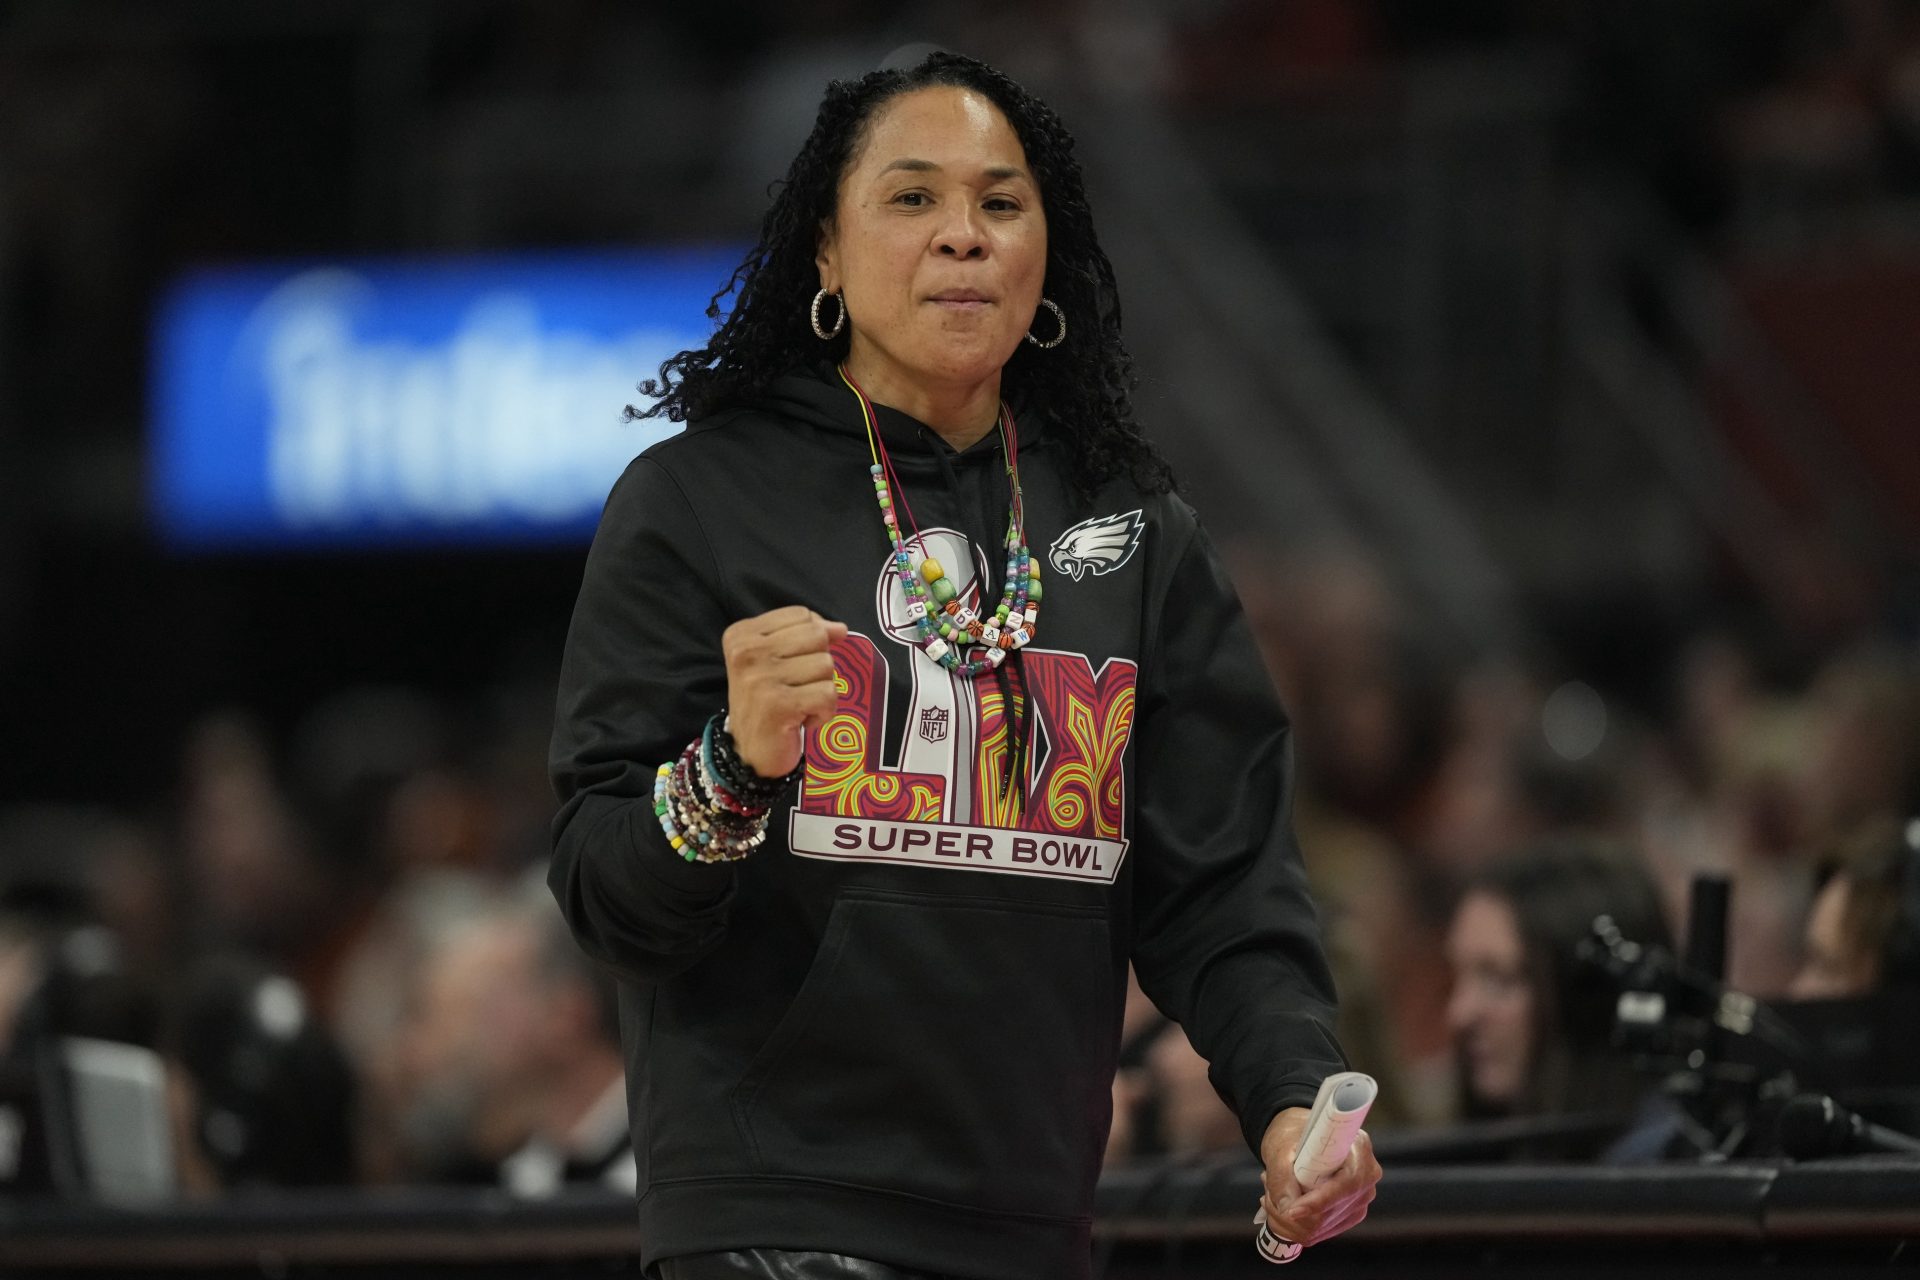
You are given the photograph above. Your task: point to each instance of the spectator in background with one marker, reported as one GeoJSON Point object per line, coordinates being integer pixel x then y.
{"type": "Point", "coordinates": [376, 769]}
{"type": "Point", "coordinates": [1864, 932]}
{"type": "Point", "coordinates": [1163, 1103]}
{"type": "Point", "coordinates": [1861, 755]}
{"type": "Point", "coordinates": [76, 884]}
{"type": "Point", "coordinates": [273, 1096]}
{"type": "Point", "coordinates": [1530, 1026]}
{"type": "Point", "coordinates": [1368, 711]}
{"type": "Point", "coordinates": [1766, 779]}
{"type": "Point", "coordinates": [256, 880]}
{"type": "Point", "coordinates": [1861, 976]}
{"type": "Point", "coordinates": [514, 1066]}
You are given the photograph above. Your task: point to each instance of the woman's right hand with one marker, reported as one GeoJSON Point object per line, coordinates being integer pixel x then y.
{"type": "Point", "coordinates": [779, 683]}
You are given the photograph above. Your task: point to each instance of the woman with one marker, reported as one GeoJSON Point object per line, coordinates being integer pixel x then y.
{"type": "Point", "coordinates": [871, 1023]}
{"type": "Point", "coordinates": [1863, 933]}
{"type": "Point", "coordinates": [1532, 1026]}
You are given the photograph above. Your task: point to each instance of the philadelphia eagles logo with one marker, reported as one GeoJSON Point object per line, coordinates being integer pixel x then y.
{"type": "Point", "coordinates": [1099, 545]}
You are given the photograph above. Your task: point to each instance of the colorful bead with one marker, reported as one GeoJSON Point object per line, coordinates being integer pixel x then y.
{"type": "Point", "coordinates": [685, 801]}
{"type": "Point", "coordinates": [944, 635]}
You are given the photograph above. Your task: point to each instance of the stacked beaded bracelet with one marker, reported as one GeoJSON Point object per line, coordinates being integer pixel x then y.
{"type": "Point", "coordinates": [735, 775]}
{"type": "Point", "coordinates": [712, 806]}
{"type": "Point", "coordinates": [698, 830]}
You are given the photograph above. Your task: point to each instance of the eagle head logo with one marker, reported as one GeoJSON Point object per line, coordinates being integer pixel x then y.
{"type": "Point", "coordinates": [1096, 546]}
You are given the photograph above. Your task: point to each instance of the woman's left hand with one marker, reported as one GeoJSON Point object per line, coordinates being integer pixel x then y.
{"type": "Point", "coordinates": [1308, 1217]}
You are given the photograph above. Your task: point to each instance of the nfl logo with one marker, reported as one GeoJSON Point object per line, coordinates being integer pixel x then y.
{"type": "Point", "coordinates": [933, 724]}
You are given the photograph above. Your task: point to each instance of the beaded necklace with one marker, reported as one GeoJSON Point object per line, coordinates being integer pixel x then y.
{"type": "Point", "coordinates": [946, 626]}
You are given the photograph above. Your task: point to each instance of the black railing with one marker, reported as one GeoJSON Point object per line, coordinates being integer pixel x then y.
{"type": "Point", "coordinates": [1195, 1221]}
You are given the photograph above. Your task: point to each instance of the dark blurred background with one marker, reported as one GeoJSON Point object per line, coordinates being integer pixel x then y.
{"type": "Point", "coordinates": [1550, 367]}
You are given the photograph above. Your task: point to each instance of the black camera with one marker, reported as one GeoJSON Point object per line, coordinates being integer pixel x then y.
{"type": "Point", "coordinates": [1746, 1078]}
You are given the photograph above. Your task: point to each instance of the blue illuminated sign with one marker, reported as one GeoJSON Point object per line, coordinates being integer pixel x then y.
{"type": "Point", "coordinates": [434, 400]}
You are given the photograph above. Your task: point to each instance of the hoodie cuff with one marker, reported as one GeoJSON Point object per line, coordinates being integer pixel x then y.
{"type": "Point", "coordinates": [687, 884]}
{"type": "Point", "coordinates": [1294, 1091]}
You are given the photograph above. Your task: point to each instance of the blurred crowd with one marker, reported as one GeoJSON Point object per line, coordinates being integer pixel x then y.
{"type": "Point", "coordinates": [333, 933]}
{"type": "Point", "coordinates": [339, 941]}
{"type": "Point", "coordinates": [1464, 829]}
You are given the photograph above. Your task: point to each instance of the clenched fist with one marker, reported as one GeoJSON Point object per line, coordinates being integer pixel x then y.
{"type": "Point", "coordinates": [779, 684]}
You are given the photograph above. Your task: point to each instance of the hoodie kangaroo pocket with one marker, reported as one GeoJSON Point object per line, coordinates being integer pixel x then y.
{"type": "Point", "coordinates": [959, 1049]}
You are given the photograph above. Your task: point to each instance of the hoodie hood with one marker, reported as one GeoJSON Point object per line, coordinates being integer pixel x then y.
{"type": "Point", "coordinates": [814, 394]}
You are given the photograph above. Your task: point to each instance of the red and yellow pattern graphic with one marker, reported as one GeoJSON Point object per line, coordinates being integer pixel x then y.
{"type": "Point", "coordinates": [1075, 776]}
{"type": "Point", "coordinates": [844, 777]}
{"type": "Point", "coordinates": [993, 807]}
{"type": "Point", "coordinates": [1081, 790]}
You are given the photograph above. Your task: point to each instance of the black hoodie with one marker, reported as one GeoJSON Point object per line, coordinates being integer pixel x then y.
{"type": "Point", "coordinates": [892, 1030]}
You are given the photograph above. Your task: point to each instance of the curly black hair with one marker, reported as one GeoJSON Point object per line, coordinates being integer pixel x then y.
{"type": "Point", "coordinates": [1085, 385]}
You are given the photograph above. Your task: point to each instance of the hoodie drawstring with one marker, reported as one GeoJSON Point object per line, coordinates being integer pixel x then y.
{"type": "Point", "coordinates": [940, 456]}
{"type": "Point", "coordinates": [1010, 678]}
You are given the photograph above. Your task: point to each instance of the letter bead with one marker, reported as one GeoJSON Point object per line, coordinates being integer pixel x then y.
{"type": "Point", "coordinates": [931, 598]}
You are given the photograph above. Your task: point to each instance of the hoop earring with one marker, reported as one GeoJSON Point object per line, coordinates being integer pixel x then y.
{"type": "Point", "coordinates": [813, 312]}
{"type": "Point", "coordinates": [1057, 338]}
